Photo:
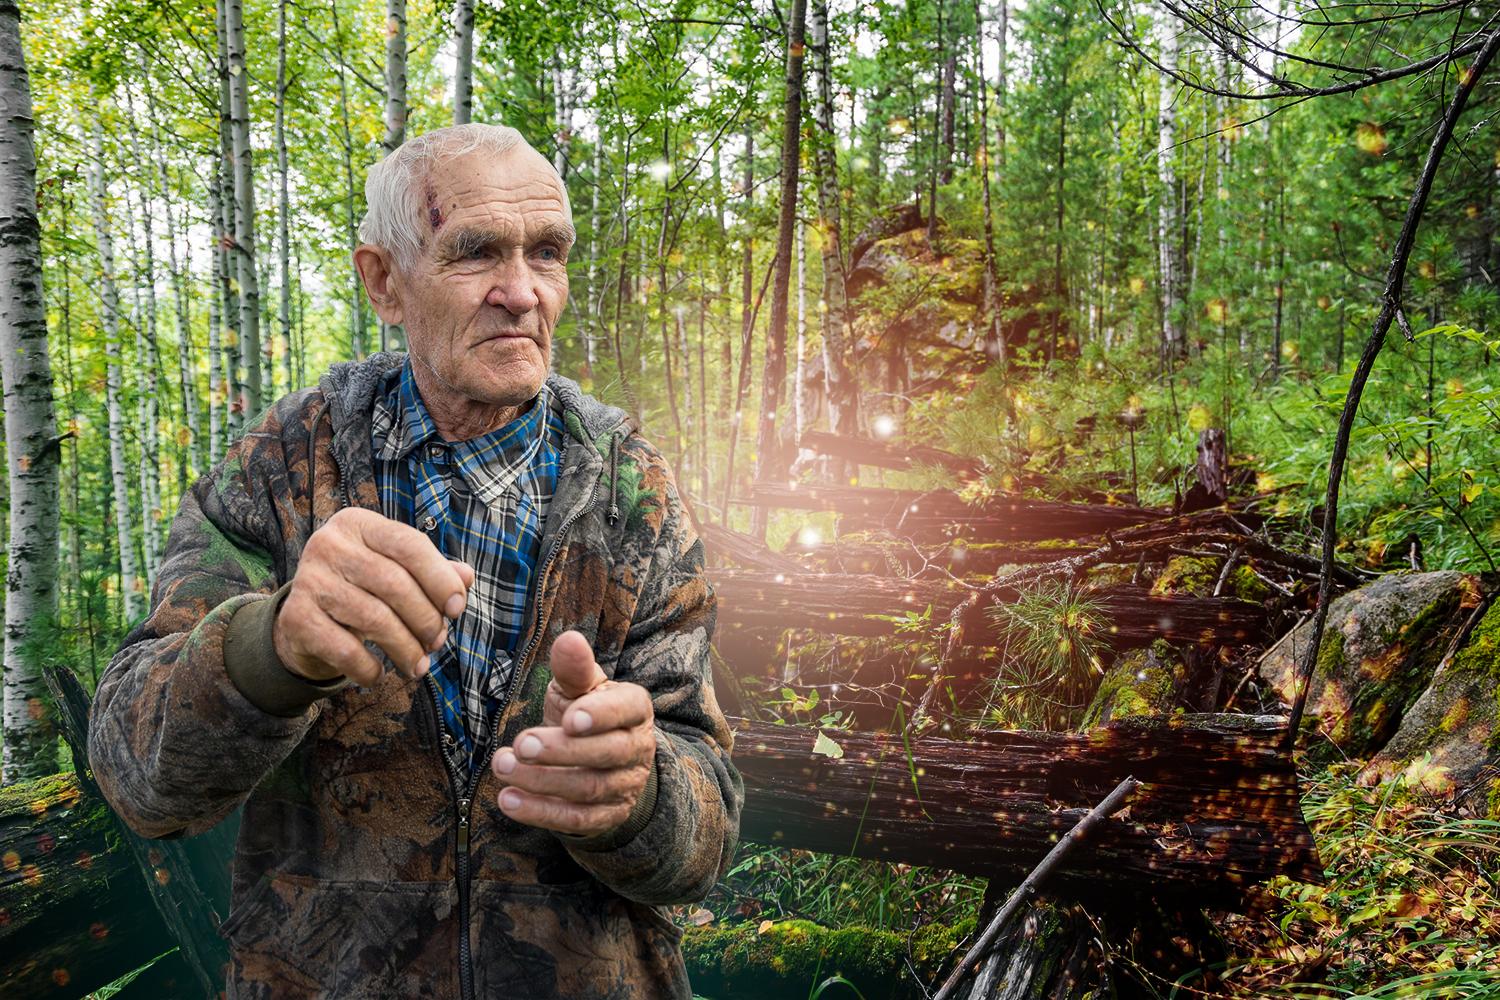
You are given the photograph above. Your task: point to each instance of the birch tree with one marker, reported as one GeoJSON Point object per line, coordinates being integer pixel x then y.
{"type": "Point", "coordinates": [283, 201]}
{"type": "Point", "coordinates": [463, 70]}
{"type": "Point", "coordinates": [244, 203]}
{"type": "Point", "coordinates": [31, 442]}
{"type": "Point", "coordinates": [131, 584]}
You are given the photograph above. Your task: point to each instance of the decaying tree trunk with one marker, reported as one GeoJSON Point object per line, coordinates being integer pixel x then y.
{"type": "Point", "coordinates": [1219, 808]}
{"type": "Point", "coordinates": [887, 454]}
{"type": "Point", "coordinates": [938, 514]}
{"type": "Point", "coordinates": [843, 604]}
{"type": "Point", "coordinates": [76, 913]}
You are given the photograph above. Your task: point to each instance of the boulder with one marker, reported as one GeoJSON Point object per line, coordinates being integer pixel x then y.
{"type": "Point", "coordinates": [1449, 740]}
{"type": "Point", "coordinates": [1380, 649]}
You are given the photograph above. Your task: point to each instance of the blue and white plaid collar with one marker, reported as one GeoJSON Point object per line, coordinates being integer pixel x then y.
{"type": "Point", "coordinates": [488, 463]}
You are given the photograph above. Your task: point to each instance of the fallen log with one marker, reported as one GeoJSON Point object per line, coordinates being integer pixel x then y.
{"type": "Point", "coordinates": [845, 604]}
{"type": "Point", "coordinates": [887, 454]}
{"type": "Point", "coordinates": [1218, 809]}
{"type": "Point", "coordinates": [937, 514]}
{"type": "Point", "coordinates": [187, 878]}
{"type": "Point", "coordinates": [728, 545]}
{"type": "Point", "coordinates": [74, 915]}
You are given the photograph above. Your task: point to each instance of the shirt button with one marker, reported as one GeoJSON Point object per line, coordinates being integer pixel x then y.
{"type": "Point", "coordinates": [435, 451]}
{"type": "Point", "coordinates": [429, 523]}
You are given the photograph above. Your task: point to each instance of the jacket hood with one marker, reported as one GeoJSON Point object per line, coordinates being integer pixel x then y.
{"type": "Point", "coordinates": [350, 388]}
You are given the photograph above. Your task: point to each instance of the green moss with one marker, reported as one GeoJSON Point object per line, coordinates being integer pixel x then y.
{"type": "Point", "coordinates": [1196, 575]}
{"type": "Point", "coordinates": [1246, 585]}
{"type": "Point", "coordinates": [1140, 683]}
{"type": "Point", "coordinates": [20, 797]}
{"type": "Point", "coordinates": [791, 955]}
{"type": "Point", "coordinates": [1331, 654]}
{"type": "Point", "coordinates": [1481, 653]}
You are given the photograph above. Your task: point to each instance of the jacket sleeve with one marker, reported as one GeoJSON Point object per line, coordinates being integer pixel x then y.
{"type": "Point", "coordinates": [681, 836]}
{"type": "Point", "coordinates": [195, 708]}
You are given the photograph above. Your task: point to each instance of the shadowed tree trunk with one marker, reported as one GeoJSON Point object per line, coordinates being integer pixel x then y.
{"type": "Point", "coordinates": [31, 441]}
{"type": "Point", "coordinates": [842, 390]}
{"type": "Point", "coordinates": [769, 461]}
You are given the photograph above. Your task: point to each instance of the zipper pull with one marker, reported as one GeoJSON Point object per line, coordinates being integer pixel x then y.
{"type": "Point", "coordinates": [463, 824]}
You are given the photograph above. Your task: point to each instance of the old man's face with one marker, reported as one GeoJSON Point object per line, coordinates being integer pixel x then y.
{"type": "Point", "coordinates": [481, 301]}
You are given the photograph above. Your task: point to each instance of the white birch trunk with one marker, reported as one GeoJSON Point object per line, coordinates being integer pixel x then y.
{"type": "Point", "coordinates": [32, 447]}
{"type": "Point", "coordinates": [283, 202]}
{"type": "Point", "coordinates": [1168, 220]}
{"type": "Point", "coordinates": [150, 402]}
{"type": "Point", "coordinates": [244, 203]}
{"type": "Point", "coordinates": [217, 429]}
{"type": "Point", "coordinates": [395, 114]}
{"type": "Point", "coordinates": [463, 74]}
{"type": "Point", "coordinates": [131, 583]}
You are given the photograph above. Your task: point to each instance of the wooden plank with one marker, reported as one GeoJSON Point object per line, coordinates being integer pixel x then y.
{"type": "Point", "coordinates": [1219, 808]}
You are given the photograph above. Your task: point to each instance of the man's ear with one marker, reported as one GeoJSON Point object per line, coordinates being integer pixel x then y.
{"type": "Point", "coordinates": [376, 269]}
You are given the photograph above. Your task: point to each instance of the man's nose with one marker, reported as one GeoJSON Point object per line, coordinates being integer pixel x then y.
{"type": "Point", "coordinates": [513, 288]}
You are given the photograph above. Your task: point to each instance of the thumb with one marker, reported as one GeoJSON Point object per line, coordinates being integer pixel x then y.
{"type": "Point", "coordinates": [573, 665]}
{"type": "Point", "coordinates": [465, 572]}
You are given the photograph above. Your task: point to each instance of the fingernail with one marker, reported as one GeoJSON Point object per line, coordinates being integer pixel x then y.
{"type": "Point", "coordinates": [505, 762]}
{"type": "Point", "coordinates": [528, 746]}
{"type": "Point", "coordinates": [442, 638]}
{"type": "Point", "coordinates": [422, 665]}
{"type": "Point", "coordinates": [582, 721]}
{"type": "Point", "coordinates": [455, 606]}
{"type": "Point", "coordinates": [510, 799]}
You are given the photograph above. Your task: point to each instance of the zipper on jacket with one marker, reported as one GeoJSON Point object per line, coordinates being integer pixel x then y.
{"type": "Point", "coordinates": [464, 799]}
{"type": "Point", "coordinates": [487, 752]}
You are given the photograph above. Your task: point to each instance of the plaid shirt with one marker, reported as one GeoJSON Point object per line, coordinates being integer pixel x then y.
{"type": "Point", "coordinates": [489, 515]}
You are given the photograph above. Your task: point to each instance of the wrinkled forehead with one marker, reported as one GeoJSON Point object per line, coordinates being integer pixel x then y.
{"type": "Point", "coordinates": [518, 186]}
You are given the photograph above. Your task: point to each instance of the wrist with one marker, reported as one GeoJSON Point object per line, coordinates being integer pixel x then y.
{"type": "Point", "coordinates": [284, 655]}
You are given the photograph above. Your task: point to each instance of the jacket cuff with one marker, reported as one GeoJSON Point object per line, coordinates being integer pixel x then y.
{"type": "Point", "coordinates": [252, 664]}
{"type": "Point", "coordinates": [640, 815]}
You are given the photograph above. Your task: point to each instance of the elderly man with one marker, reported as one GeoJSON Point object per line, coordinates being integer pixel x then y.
{"type": "Point", "coordinates": [440, 624]}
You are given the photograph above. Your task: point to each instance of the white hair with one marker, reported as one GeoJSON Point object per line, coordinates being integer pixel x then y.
{"type": "Point", "coordinates": [396, 209]}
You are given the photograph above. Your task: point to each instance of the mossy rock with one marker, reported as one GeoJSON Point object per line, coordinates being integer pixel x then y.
{"type": "Point", "coordinates": [790, 957]}
{"type": "Point", "coordinates": [1380, 649]}
{"type": "Point", "coordinates": [1449, 740]}
{"type": "Point", "coordinates": [1141, 682]}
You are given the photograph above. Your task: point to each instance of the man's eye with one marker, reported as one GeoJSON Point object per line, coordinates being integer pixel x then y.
{"type": "Point", "coordinates": [475, 253]}
{"type": "Point", "coordinates": [549, 253]}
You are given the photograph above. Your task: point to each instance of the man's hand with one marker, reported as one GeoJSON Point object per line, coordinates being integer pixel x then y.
{"type": "Point", "coordinates": [582, 770]}
{"type": "Point", "coordinates": [365, 577]}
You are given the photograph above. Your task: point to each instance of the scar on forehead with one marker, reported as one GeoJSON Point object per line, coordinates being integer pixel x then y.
{"type": "Point", "coordinates": [434, 208]}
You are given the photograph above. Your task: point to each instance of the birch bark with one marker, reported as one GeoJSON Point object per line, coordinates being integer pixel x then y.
{"type": "Point", "coordinates": [32, 445]}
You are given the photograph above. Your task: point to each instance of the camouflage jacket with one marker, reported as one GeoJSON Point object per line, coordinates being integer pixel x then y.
{"type": "Point", "coordinates": [365, 865]}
